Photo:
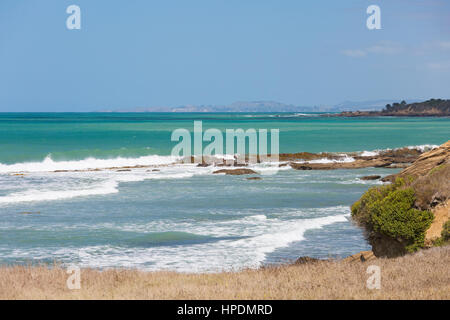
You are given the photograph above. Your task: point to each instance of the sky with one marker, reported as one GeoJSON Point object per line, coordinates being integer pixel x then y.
{"type": "Point", "coordinates": [140, 53]}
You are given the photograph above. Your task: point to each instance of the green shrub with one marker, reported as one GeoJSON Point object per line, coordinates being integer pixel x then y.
{"type": "Point", "coordinates": [445, 234]}
{"type": "Point", "coordinates": [355, 207]}
{"type": "Point", "coordinates": [389, 210]}
{"type": "Point", "coordinates": [362, 209]}
{"type": "Point", "coordinates": [395, 217]}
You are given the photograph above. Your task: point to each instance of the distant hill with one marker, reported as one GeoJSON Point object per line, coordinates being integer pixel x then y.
{"type": "Point", "coordinates": [239, 106]}
{"type": "Point", "coordinates": [432, 107]}
{"type": "Point", "coordinates": [246, 106]}
{"type": "Point", "coordinates": [264, 106]}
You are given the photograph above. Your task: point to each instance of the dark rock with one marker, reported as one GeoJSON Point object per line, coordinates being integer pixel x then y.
{"type": "Point", "coordinates": [203, 164]}
{"type": "Point", "coordinates": [254, 178]}
{"type": "Point", "coordinates": [384, 246]}
{"type": "Point", "coordinates": [374, 177]}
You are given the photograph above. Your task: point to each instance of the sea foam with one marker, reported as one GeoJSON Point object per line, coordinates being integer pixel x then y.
{"type": "Point", "coordinates": [48, 164]}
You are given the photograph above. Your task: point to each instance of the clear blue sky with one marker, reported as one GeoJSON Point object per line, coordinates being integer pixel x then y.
{"type": "Point", "coordinates": [168, 53]}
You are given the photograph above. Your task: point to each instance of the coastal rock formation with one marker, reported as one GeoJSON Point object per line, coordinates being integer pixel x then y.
{"type": "Point", "coordinates": [411, 212]}
{"type": "Point", "coordinates": [429, 161]}
{"type": "Point", "coordinates": [234, 172]}
{"type": "Point", "coordinates": [392, 158]}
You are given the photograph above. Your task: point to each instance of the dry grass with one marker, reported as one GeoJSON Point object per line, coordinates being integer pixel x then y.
{"type": "Point", "coordinates": [435, 184]}
{"type": "Point", "coordinates": [424, 275]}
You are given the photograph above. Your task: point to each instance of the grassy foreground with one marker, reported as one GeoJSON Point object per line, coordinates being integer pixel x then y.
{"type": "Point", "coordinates": [423, 275]}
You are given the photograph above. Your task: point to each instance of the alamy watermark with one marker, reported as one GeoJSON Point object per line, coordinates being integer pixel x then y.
{"type": "Point", "coordinates": [73, 21]}
{"type": "Point", "coordinates": [237, 151]}
{"type": "Point", "coordinates": [74, 280]}
{"type": "Point", "coordinates": [374, 281]}
{"type": "Point", "coordinates": [373, 22]}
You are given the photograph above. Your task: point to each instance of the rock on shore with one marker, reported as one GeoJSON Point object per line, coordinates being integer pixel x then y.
{"type": "Point", "coordinates": [384, 159]}
{"type": "Point", "coordinates": [235, 172]}
{"type": "Point", "coordinates": [374, 177]}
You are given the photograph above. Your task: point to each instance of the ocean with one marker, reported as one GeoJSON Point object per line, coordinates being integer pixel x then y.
{"type": "Point", "coordinates": [182, 217]}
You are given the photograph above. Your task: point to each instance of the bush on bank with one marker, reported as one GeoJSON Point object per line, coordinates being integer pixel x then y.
{"type": "Point", "coordinates": [389, 210]}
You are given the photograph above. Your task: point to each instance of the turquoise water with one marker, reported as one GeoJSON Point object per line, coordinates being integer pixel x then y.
{"type": "Point", "coordinates": [181, 217]}
{"type": "Point", "coordinates": [68, 136]}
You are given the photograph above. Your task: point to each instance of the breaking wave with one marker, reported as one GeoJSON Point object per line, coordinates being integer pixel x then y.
{"type": "Point", "coordinates": [48, 164]}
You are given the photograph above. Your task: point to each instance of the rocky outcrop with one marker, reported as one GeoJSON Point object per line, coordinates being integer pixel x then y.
{"type": "Point", "coordinates": [235, 172]}
{"type": "Point", "coordinates": [428, 161]}
{"type": "Point", "coordinates": [384, 159]}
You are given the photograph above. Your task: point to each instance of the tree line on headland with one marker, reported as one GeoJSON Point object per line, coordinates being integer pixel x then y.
{"type": "Point", "coordinates": [429, 108]}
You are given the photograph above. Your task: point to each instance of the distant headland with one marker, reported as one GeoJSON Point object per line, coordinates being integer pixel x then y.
{"type": "Point", "coordinates": [429, 108]}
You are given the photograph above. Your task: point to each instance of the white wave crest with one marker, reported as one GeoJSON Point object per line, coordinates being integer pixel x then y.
{"type": "Point", "coordinates": [423, 147]}
{"type": "Point", "coordinates": [48, 164]}
{"type": "Point", "coordinates": [90, 183]}
{"type": "Point", "coordinates": [256, 238]}
{"type": "Point", "coordinates": [369, 153]}
{"type": "Point", "coordinates": [104, 188]}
